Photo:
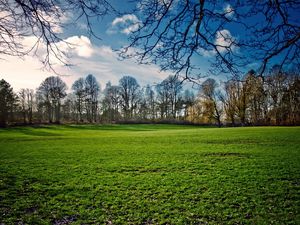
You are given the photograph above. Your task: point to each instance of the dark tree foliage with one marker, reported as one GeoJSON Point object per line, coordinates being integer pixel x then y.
{"type": "Point", "coordinates": [7, 101]}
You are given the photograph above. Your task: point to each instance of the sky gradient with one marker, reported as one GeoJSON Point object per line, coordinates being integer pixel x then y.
{"type": "Point", "coordinates": [88, 55]}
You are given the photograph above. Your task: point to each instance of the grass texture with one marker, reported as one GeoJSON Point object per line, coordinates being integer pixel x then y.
{"type": "Point", "coordinates": [149, 174]}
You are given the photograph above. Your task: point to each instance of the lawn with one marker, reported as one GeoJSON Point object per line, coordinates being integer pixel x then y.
{"type": "Point", "coordinates": [149, 174]}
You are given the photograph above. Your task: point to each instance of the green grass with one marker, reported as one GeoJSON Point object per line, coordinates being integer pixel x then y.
{"type": "Point", "coordinates": [149, 174]}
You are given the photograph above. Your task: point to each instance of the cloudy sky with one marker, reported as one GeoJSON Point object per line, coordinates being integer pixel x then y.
{"type": "Point", "coordinates": [88, 55]}
{"type": "Point", "coordinates": [86, 58]}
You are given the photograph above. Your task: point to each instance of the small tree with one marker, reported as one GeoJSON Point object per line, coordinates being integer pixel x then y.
{"type": "Point", "coordinates": [229, 100]}
{"type": "Point", "coordinates": [149, 96]}
{"type": "Point", "coordinates": [7, 101]}
{"type": "Point", "coordinates": [129, 91]}
{"type": "Point", "coordinates": [211, 96]}
{"type": "Point", "coordinates": [110, 102]}
{"type": "Point", "coordinates": [51, 91]}
{"type": "Point", "coordinates": [26, 102]}
{"type": "Point", "coordinates": [188, 101]}
{"type": "Point", "coordinates": [80, 92]}
{"type": "Point", "coordinates": [92, 90]}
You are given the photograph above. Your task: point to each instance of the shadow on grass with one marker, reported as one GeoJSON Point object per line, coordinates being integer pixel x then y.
{"type": "Point", "coordinates": [42, 130]}
{"type": "Point", "coordinates": [130, 127]}
{"type": "Point", "coordinates": [37, 132]}
{"type": "Point", "coordinates": [113, 127]}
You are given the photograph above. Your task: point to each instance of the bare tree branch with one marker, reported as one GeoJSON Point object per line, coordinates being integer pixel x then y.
{"type": "Point", "coordinates": [174, 34]}
{"type": "Point", "coordinates": [44, 20]}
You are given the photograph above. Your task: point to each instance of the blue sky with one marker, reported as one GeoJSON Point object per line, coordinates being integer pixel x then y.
{"type": "Point", "coordinates": [88, 56]}
{"type": "Point", "coordinates": [93, 56]}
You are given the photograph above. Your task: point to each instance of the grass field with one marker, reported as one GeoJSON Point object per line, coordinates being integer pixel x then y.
{"type": "Point", "coordinates": [149, 174]}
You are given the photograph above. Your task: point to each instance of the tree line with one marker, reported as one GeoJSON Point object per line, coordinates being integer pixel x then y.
{"type": "Point", "coordinates": [249, 100]}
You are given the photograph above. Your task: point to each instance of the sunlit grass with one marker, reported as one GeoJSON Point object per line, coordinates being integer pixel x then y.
{"type": "Point", "coordinates": [149, 174]}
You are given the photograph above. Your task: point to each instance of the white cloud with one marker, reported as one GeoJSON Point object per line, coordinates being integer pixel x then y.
{"type": "Point", "coordinates": [104, 63]}
{"type": "Point", "coordinates": [22, 73]}
{"type": "Point", "coordinates": [29, 42]}
{"type": "Point", "coordinates": [106, 51]}
{"type": "Point", "coordinates": [106, 66]}
{"type": "Point", "coordinates": [207, 53]}
{"type": "Point", "coordinates": [131, 29]}
{"type": "Point", "coordinates": [60, 52]}
{"type": "Point", "coordinates": [125, 18]}
{"type": "Point", "coordinates": [229, 11]}
{"type": "Point", "coordinates": [126, 24]}
{"type": "Point", "coordinates": [79, 45]}
{"type": "Point", "coordinates": [224, 40]}
{"type": "Point", "coordinates": [82, 26]}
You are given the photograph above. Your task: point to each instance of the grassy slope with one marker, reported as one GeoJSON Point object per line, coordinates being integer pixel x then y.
{"type": "Point", "coordinates": [134, 174]}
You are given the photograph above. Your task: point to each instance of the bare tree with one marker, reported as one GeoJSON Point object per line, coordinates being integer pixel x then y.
{"type": "Point", "coordinates": [256, 98]}
{"type": "Point", "coordinates": [149, 96]}
{"type": "Point", "coordinates": [70, 108]}
{"type": "Point", "coordinates": [51, 91]}
{"type": "Point", "coordinates": [111, 102]}
{"type": "Point", "coordinates": [230, 99]}
{"type": "Point", "coordinates": [26, 102]}
{"type": "Point", "coordinates": [174, 33]}
{"type": "Point", "coordinates": [163, 99]}
{"type": "Point", "coordinates": [44, 20]}
{"type": "Point", "coordinates": [175, 91]}
{"type": "Point", "coordinates": [171, 33]}
{"type": "Point", "coordinates": [92, 90]}
{"type": "Point", "coordinates": [22, 103]}
{"type": "Point", "coordinates": [129, 90]}
{"type": "Point", "coordinates": [197, 113]}
{"type": "Point", "coordinates": [188, 101]}
{"type": "Point", "coordinates": [292, 100]}
{"type": "Point", "coordinates": [80, 92]}
{"type": "Point", "coordinates": [211, 94]}
{"type": "Point", "coordinates": [168, 95]}
{"type": "Point", "coordinates": [277, 86]}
